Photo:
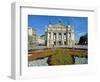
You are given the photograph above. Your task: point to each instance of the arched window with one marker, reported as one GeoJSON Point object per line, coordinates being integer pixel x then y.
{"type": "Point", "coordinates": [60, 36]}
{"type": "Point", "coordinates": [54, 36]}
{"type": "Point", "coordinates": [65, 35]}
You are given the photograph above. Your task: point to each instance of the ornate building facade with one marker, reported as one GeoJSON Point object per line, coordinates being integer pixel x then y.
{"type": "Point", "coordinates": [32, 38]}
{"type": "Point", "coordinates": [59, 35]}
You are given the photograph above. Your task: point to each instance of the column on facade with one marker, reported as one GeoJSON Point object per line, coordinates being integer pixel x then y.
{"type": "Point", "coordinates": [52, 42]}
{"type": "Point", "coordinates": [57, 38]}
{"type": "Point", "coordinates": [70, 38]}
{"type": "Point", "coordinates": [62, 37]}
{"type": "Point", "coordinates": [67, 38]}
{"type": "Point", "coordinates": [48, 38]}
{"type": "Point", "coordinates": [73, 38]}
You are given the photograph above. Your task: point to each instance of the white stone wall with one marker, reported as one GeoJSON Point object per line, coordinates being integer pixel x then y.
{"type": "Point", "coordinates": [32, 38]}
{"type": "Point", "coordinates": [30, 31]}
{"type": "Point", "coordinates": [40, 41]}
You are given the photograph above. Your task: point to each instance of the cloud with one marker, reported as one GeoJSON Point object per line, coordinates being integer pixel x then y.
{"type": "Point", "coordinates": [81, 33]}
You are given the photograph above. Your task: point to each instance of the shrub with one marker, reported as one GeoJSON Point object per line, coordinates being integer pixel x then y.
{"type": "Point", "coordinates": [60, 58]}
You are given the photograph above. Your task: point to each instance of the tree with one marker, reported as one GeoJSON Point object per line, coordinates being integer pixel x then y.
{"type": "Point", "coordinates": [83, 40]}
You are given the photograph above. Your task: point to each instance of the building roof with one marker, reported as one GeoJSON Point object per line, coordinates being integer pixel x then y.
{"type": "Point", "coordinates": [59, 25]}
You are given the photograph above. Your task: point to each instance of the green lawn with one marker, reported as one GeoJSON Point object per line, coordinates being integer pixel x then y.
{"type": "Point", "coordinates": [58, 56]}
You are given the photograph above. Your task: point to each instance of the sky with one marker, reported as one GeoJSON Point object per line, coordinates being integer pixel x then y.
{"type": "Point", "coordinates": [41, 22]}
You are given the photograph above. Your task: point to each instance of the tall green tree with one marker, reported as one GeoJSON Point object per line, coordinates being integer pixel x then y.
{"type": "Point", "coordinates": [83, 40]}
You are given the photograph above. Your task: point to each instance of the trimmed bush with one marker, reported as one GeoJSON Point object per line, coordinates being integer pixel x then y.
{"type": "Point", "coordinates": [60, 58]}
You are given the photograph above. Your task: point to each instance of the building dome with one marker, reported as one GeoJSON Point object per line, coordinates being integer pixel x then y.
{"type": "Point", "coordinates": [50, 25]}
{"type": "Point", "coordinates": [59, 25]}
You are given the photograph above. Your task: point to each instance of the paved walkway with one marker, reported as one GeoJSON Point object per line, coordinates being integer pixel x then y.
{"type": "Point", "coordinates": [39, 62]}
{"type": "Point", "coordinates": [75, 46]}
{"type": "Point", "coordinates": [43, 62]}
